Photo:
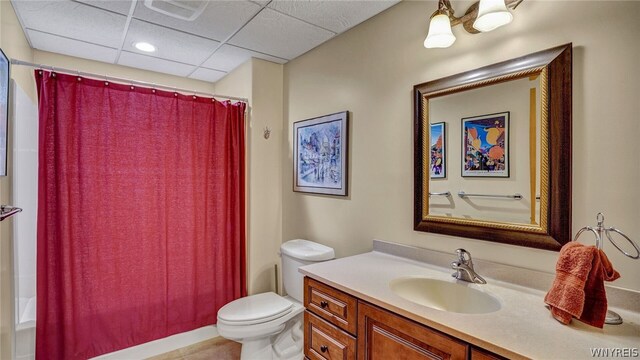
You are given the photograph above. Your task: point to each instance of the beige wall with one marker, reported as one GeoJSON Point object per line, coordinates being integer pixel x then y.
{"type": "Point", "coordinates": [370, 71]}
{"type": "Point", "coordinates": [261, 82]}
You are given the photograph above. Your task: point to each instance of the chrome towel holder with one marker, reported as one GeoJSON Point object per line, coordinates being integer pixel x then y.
{"type": "Point", "coordinates": [7, 211]}
{"type": "Point", "coordinates": [600, 232]}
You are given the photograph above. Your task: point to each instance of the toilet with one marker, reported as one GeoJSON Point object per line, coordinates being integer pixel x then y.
{"type": "Point", "coordinates": [269, 326]}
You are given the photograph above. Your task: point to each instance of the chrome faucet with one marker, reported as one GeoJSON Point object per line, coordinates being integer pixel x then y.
{"type": "Point", "coordinates": [464, 268]}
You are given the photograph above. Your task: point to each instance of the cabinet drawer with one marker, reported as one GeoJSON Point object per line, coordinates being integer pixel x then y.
{"type": "Point", "coordinates": [325, 341]}
{"type": "Point", "coordinates": [330, 304]}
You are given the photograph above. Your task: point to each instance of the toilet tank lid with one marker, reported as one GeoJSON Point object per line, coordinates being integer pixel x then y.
{"type": "Point", "coordinates": [307, 250]}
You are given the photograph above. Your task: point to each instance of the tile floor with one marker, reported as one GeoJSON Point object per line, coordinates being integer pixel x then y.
{"type": "Point", "coordinates": [217, 348]}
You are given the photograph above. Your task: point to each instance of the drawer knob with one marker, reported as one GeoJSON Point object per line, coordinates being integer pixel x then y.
{"type": "Point", "coordinates": [324, 304]}
{"type": "Point", "coordinates": [324, 348]}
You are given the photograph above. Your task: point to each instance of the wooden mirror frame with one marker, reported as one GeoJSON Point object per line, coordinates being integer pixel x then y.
{"type": "Point", "coordinates": [555, 69]}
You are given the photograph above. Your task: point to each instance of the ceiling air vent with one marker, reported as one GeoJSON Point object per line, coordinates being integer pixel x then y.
{"type": "Point", "coordinates": [187, 10]}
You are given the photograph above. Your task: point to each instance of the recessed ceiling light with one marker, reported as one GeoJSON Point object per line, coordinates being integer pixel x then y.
{"type": "Point", "coordinates": [144, 46]}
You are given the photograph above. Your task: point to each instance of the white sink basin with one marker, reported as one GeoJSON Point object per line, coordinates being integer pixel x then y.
{"type": "Point", "coordinates": [445, 295]}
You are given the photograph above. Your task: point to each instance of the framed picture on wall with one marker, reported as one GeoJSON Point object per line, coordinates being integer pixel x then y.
{"type": "Point", "coordinates": [485, 145]}
{"type": "Point", "coordinates": [4, 110]}
{"type": "Point", "coordinates": [438, 163]}
{"type": "Point", "coordinates": [320, 154]}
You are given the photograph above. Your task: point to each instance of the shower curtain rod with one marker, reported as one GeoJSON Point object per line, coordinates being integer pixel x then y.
{"type": "Point", "coordinates": [124, 80]}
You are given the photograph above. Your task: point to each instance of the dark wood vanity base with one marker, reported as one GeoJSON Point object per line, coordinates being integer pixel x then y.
{"type": "Point", "coordinates": [340, 326]}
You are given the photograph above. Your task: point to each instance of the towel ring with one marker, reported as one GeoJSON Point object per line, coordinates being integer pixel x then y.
{"type": "Point", "coordinates": [588, 228]}
{"type": "Point", "coordinates": [635, 246]}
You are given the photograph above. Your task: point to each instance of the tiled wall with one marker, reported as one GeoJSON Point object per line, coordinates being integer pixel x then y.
{"type": "Point", "coordinates": [24, 122]}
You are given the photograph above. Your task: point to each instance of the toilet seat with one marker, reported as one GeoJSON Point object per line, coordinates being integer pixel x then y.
{"type": "Point", "coordinates": [254, 309]}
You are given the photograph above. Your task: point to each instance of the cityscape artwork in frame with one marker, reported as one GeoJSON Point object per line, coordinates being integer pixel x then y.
{"type": "Point", "coordinates": [485, 145]}
{"type": "Point", "coordinates": [320, 154]}
{"type": "Point", "coordinates": [438, 149]}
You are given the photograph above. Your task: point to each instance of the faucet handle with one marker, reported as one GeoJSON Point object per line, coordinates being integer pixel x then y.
{"type": "Point", "coordinates": [463, 256]}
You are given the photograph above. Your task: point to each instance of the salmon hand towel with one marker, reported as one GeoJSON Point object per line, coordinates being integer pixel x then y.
{"type": "Point", "coordinates": [578, 289]}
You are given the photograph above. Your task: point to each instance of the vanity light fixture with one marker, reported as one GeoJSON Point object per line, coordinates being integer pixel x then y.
{"type": "Point", "coordinates": [144, 46]}
{"type": "Point", "coordinates": [482, 16]}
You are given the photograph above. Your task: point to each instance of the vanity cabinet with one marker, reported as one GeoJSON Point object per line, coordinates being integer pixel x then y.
{"type": "Point", "coordinates": [340, 326]}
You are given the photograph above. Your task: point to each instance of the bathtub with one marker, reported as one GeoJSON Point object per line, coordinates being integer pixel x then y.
{"type": "Point", "coordinates": [26, 329]}
{"type": "Point", "coordinates": [26, 338]}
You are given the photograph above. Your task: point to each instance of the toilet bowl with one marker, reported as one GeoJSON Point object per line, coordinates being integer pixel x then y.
{"type": "Point", "coordinates": [269, 326]}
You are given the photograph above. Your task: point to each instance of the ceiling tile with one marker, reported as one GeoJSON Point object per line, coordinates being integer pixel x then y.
{"type": "Point", "coordinates": [72, 20]}
{"type": "Point", "coordinates": [218, 20]}
{"type": "Point", "coordinates": [228, 57]}
{"type": "Point", "coordinates": [52, 43]}
{"type": "Point", "coordinates": [153, 64]}
{"type": "Point", "coordinates": [118, 6]}
{"type": "Point", "coordinates": [336, 16]}
{"type": "Point", "coordinates": [205, 74]}
{"type": "Point", "coordinates": [273, 33]}
{"type": "Point", "coordinates": [171, 45]}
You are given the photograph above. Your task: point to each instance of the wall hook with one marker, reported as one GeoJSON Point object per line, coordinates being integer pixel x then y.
{"type": "Point", "coordinates": [267, 132]}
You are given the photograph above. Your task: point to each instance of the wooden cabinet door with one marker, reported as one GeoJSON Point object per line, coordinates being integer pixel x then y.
{"type": "Point", "coordinates": [383, 335]}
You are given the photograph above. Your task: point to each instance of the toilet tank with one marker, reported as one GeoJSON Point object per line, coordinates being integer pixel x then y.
{"type": "Point", "coordinates": [297, 253]}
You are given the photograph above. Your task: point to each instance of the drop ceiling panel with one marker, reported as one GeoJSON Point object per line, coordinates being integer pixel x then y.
{"type": "Point", "coordinates": [218, 20]}
{"type": "Point", "coordinates": [171, 44]}
{"type": "Point", "coordinates": [228, 57]}
{"type": "Point", "coordinates": [276, 31]}
{"type": "Point", "coordinates": [205, 74]}
{"type": "Point", "coordinates": [273, 33]}
{"type": "Point", "coordinates": [154, 64]}
{"type": "Point", "coordinates": [336, 16]}
{"type": "Point", "coordinates": [72, 20]}
{"type": "Point", "coordinates": [52, 43]}
{"type": "Point", "coordinates": [118, 6]}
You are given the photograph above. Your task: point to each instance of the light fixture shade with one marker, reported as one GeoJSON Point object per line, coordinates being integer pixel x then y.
{"type": "Point", "coordinates": [440, 35]}
{"type": "Point", "coordinates": [491, 15]}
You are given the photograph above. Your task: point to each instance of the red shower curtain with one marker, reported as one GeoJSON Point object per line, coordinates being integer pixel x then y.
{"type": "Point", "coordinates": [141, 225]}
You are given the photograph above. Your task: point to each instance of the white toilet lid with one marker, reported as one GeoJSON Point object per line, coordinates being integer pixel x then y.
{"type": "Point", "coordinates": [254, 309]}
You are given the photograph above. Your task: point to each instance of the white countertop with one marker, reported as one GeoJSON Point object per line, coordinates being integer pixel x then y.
{"type": "Point", "coordinates": [523, 327]}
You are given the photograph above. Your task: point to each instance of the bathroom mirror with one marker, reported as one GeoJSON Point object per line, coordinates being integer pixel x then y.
{"type": "Point", "coordinates": [492, 152]}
